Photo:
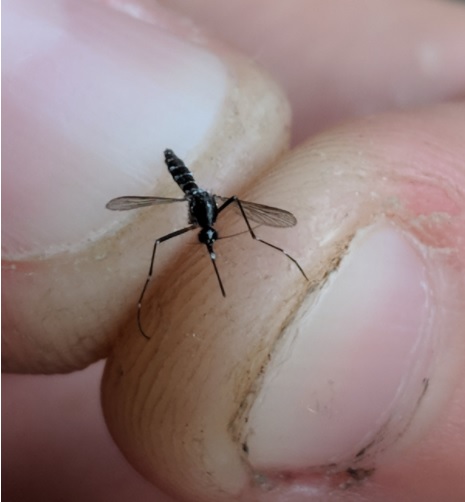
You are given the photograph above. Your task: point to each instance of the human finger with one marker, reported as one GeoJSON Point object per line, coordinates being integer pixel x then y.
{"type": "Point", "coordinates": [330, 387]}
{"type": "Point", "coordinates": [337, 60]}
{"type": "Point", "coordinates": [92, 97]}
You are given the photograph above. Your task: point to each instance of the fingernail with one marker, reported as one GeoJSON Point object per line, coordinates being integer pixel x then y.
{"type": "Point", "coordinates": [350, 370]}
{"type": "Point", "coordinates": [92, 97]}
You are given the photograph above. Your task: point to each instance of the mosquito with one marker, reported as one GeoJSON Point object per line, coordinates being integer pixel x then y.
{"type": "Point", "coordinates": [203, 211]}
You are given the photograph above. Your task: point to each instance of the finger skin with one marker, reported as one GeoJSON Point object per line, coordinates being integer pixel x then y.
{"type": "Point", "coordinates": [399, 55]}
{"type": "Point", "coordinates": [406, 477]}
{"type": "Point", "coordinates": [66, 300]}
{"type": "Point", "coordinates": [56, 443]}
{"type": "Point", "coordinates": [172, 404]}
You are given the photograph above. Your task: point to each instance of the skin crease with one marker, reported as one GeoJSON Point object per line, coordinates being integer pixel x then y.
{"type": "Point", "coordinates": [46, 412]}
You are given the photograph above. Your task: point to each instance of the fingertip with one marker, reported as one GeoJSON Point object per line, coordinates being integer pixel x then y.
{"type": "Point", "coordinates": [71, 263]}
{"type": "Point", "coordinates": [209, 365]}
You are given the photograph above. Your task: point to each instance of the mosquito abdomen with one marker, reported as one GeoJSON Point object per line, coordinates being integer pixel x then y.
{"type": "Point", "coordinates": [181, 174]}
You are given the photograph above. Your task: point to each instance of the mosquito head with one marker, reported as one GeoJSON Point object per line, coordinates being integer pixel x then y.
{"type": "Point", "coordinates": [208, 236]}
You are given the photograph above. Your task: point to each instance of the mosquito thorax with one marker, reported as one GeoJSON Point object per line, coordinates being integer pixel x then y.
{"type": "Point", "coordinates": [202, 208]}
{"type": "Point", "coordinates": [208, 235]}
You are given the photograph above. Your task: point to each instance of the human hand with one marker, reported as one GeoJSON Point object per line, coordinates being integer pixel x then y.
{"type": "Point", "coordinates": [67, 157]}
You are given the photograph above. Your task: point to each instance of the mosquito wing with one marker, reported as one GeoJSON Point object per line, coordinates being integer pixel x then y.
{"type": "Point", "coordinates": [265, 215]}
{"type": "Point", "coordinates": [134, 202]}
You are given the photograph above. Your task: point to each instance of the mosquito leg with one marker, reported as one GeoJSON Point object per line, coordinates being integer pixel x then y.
{"type": "Point", "coordinates": [149, 276]}
{"type": "Point", "coordinates": [234, 199]}
{"type": "Point", "coordinates": [227, 203]}
{"type": "Point", "coordinates": [238, 233]}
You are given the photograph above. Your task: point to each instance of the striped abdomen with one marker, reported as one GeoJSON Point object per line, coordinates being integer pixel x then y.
{"type": "Point", "coordinates": [180, 173]}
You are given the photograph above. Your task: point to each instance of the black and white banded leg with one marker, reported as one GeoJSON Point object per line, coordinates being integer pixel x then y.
{"type": "Point", "coordinates": [149, 276]}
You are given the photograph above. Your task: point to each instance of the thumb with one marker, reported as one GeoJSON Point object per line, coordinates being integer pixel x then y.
{"type": "Point", "coordinates": [292, 387]}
